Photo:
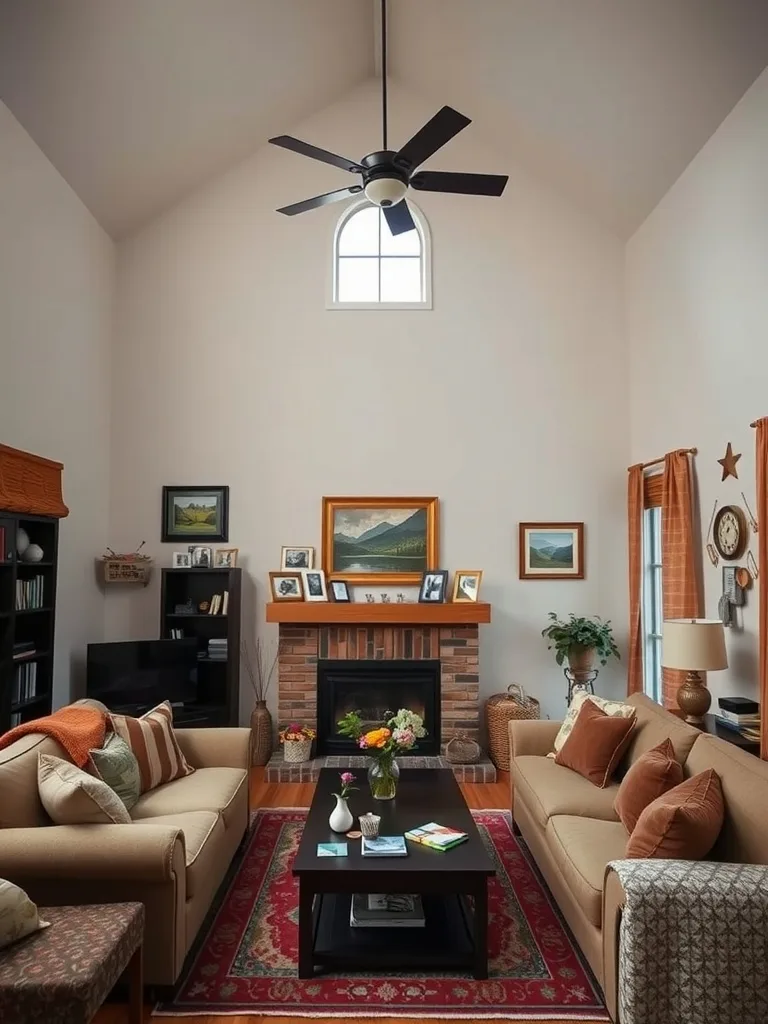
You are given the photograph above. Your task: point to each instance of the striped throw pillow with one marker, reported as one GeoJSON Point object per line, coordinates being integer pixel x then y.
{"type": "Point", "coordinates": [154, 745]}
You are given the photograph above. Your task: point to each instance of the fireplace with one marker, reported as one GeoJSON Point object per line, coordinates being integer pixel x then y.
{"type": "Point", "coordinates": [374, 688]}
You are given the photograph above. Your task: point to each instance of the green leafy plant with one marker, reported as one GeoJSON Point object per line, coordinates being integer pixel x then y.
{"type": "Point", "coordinates": [578, 631]}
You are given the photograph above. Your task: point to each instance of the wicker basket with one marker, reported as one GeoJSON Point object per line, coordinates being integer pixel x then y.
{"type": "Point", "coordinates": [297, 751]}
{"type": "Point", "coordinates": [127, 570]}
{"type": "Point", "coordinates": [462, 750]}
{"type": "Point", "coordinates": [500, 710]}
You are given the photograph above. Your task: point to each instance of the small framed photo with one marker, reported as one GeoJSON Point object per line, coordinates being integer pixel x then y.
{"type": "Point", "coordinates": [466, 584]}
{"type": "Point", "coordinates": [286, 586]}
{"type": "Point", "coordinates": [314, 585]}
{"type": "Point", "coordinates": [297, 558]}
{"type": "Point", "coordinates": [202, 558]}
{"type": "Point", "coordinates": [225, 558]}
{"type": "Point", "coordinates": [182, 560]}
{"type": "Point", "coordinates": [433, 586]}
{"type": "Point", "coordinates": [196, 513]}
{"type": "Point", "coordinates": [339, 590]}
{"type": "Point", "coordinates": [551, 551]}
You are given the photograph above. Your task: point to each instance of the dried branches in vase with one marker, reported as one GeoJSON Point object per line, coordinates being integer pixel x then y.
{"type": "Point", "coordinates": [260, 666]}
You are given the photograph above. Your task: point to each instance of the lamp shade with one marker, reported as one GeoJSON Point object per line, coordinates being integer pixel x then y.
{"type": "Point", "coordinates": [694, 645]}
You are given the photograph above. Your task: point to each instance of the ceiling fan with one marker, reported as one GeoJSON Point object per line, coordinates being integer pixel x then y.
{"type": "Point", "coordinates": [387, 175]}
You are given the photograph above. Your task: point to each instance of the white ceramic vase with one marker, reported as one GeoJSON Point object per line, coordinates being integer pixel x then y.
{"type": "Point", "coordinates": [341, 819]}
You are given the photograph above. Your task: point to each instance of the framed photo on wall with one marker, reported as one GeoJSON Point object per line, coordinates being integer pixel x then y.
{"type": "Point", "coordinates": [551, 551]}
{"type": "Point", "coordinates": [195, 513]}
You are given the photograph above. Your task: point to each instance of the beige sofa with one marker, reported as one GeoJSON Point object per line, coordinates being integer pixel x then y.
{"type": "Point", "coordinates": [172, 858]}
{"type": "Point", "coordinates": [573, 832]}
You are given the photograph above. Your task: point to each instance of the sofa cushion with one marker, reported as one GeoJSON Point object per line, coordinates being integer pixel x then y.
{"type": "Point", "coordinates": [152, 741]}
{"type": "Point", "coordinates": [20, 805]}
{"type": "Point", "coordinates": [203, 842]}
{"type": "Point", "coordinates": [581, 848]}
{"type": "Point", "coordinates": [683, 824]}
{"type": "Point", "coordinates": [73, 797]}
{"type": "Point", "coordinates": [209, 789]}
{"type": "Point", "coordinates": [652, 725]}
{"type": "Point", "coordinates": [596, 744]}
{"type": "Point", "coordinates": [115, 763]}
{"type": "Point", "coordinates": [547, 789]}
{"type": "Point", "coordinates": [652, 774]}
{"type": "Point", "coordinates": [613, 708]}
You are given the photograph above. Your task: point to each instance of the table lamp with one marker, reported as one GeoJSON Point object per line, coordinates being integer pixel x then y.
{"type": "Point", "coordinates": [694, 646]}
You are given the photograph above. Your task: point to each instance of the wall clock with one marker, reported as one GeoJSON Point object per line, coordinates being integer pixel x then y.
{"type": "Point", "coordinates": [730, 532]}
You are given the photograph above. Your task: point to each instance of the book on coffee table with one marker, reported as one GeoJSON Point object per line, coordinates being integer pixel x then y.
{"type": "Point", "coordinates": [384, 846]}
{"type": "Point", "coordinates": [386, 910]}
{"type": "Point", "coordinates": [437, 837]}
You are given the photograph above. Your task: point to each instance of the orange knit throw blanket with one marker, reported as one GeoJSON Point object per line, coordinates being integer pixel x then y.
{"type": "Point", "coordinates": [77, 729]}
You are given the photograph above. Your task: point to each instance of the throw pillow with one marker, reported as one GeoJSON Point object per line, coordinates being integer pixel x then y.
{"type": "Point", "coordinates": [682, 824]}
{"type": "Point", "coordinates": [655, 772]}
{"type": "Point", "coordinates": [71, 796]}
{"type": "Point", "coordinates": [116, 764]}
{"type": "Point", "coordinates": [154, 745]}
{"type": "Point", "coordinates": [595, 744]}
{"type": "Point", "coordinates": [614, 708]}
{"type": "Point", "coordinates": [18, 914]}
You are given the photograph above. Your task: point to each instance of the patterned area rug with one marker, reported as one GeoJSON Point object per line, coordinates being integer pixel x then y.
{"type": "Point", "coordinates": [246, 962]}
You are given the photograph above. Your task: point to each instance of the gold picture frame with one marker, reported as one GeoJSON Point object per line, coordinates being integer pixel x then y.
{"type": "Point", "coordinates": [466, 592]}
{"type": "Point", "coordinates": [380, 540]}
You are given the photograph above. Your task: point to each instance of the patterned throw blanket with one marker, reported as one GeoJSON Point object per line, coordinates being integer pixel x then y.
{"type": "Point", "coordinates": [77, 729]}
{"type": "Point", "coordinates": [693, 942]}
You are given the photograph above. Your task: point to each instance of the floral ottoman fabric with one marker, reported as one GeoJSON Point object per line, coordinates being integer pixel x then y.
{"type": "Point", "coordinates": [63, 974]}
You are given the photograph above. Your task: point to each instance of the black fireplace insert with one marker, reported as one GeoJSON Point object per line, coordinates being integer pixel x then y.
{"type": "Point", "coordinates": [374, 688]}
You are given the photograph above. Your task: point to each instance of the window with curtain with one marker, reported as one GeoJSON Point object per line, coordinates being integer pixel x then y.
{"type": "Point", "coordinates": [652, 608]}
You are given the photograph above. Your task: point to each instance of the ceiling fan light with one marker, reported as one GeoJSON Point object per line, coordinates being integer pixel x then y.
{"type": "Point", "coordinates": [385, 191]}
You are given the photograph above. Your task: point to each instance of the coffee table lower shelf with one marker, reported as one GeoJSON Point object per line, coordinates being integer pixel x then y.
{"type": "Point", "coordinates": [445, 942]}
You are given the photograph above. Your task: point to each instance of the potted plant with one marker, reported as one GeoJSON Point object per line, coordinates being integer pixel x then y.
{"type": "Point", "coordinates": [297, 742]}
{"type": "Point", "coordinates": [260, 668]}
{"type": "Point", "coordinates": [580, 640]}
{"type": "Point", "coordinates": [396, 736]}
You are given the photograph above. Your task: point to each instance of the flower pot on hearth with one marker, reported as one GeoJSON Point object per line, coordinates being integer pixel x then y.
{"type": "Point", "coordinates": [581, 661]}
{"type": "Point", "coordinates": [297, 751]}
{"type": "Point", "coordinates": [261, 733]}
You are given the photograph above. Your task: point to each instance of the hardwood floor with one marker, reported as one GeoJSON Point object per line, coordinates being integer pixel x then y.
{"type": "Point", "coordinates": [479, 796]}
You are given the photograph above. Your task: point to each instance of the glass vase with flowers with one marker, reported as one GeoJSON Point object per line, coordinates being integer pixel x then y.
{"type": "Point", "coordinates": [397, 735]}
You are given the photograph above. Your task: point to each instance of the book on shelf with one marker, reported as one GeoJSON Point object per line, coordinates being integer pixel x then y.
{"type": "Point", "coordinates": [384, 846]}
{"type": "Point", "coordinates": [386, 910]}
{"type": "Point", "coordinates": [24, 683]}
{"type": "Point", "coordinates": [29, 594]}
{"type": "Point", "coordinates": [437, 837]}
{"type": "Point", "coordinates": [751, 733]}
{"type": "Point", "coordinates": [2, 544]}
{"type": "Point", "coordinates": [740, 727]}
{"type": "Point", "coordinates": [737, 719]}
{"type": "Point", "coordinates": [225, 603]}
{"type": "Point", "coordinates": [738, 705]}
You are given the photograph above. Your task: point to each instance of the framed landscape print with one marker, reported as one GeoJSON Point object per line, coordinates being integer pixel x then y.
{"type": "Point", "coordinates": [551, 551]}
{"type": "Point", "coordinates": [380, 540]}
{"type": "Point", "coordinates": [196, 513]}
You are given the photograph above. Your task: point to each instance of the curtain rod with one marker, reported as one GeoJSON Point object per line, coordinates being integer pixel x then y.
{"type": "Point", "coordinates": [656, 462]}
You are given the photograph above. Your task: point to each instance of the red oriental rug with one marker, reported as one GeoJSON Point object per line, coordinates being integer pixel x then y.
{"type": "Point", "coordinates": [246, 961]}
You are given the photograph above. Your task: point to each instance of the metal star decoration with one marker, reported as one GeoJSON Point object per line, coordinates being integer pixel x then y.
{"type": "Point", "coordinates": [728, 462]}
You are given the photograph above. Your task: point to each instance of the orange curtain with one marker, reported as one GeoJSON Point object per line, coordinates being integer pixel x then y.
{"type": "Point", "coordinates": [761, 461]}
{"type": "Point", "coordinates": [681, 595]}
{"type": "Point", "coordinates": [635, 516]}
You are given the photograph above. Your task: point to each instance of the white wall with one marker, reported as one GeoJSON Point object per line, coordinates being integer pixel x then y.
{"type": "Point", "coordinates": [56, 281]}
{"type": "Point", "coordinates": [697, 315]}
{"type": "Point", "coordinates": [508, 399]}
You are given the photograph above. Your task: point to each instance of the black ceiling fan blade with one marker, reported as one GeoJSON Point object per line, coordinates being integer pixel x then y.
{"type": "Point", "coordinates": [446, 123]}
{"type": "Point", "coordinates": [323, 200]}
{"type": "Point", "coordinates": [399, 218]}
{"type": "Point", "coordinates": [305, 149]}
{"type": "Point", "coordinates": [467, 184]}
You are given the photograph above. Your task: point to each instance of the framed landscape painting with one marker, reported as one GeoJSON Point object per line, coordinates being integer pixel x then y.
{"type": "Point", "coordinates": [551, 551]}
{"type": "Point", "coordinates": [380, 540]}
{"type": "Point", "coordinates": [196, 513]}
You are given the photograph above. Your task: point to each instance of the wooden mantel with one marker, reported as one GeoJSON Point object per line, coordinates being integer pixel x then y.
{"type": "Point", "coordinates": [331, 613]}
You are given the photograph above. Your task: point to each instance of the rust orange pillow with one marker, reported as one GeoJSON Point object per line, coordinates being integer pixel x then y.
{"type": "Point", "coordinates": [596, 744]}
{"type": "Point", "coordinates": [655, 772]}
{"type": "Point", "coordinates": [684, 823]}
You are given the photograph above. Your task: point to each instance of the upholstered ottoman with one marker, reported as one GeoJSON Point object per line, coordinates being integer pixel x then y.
{"type": "Point", "coordinates": [62, 974]}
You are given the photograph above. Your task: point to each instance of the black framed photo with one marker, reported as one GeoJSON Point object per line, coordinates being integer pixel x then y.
{"type": "Point", "coordinates": [434, 584]}
{"type": "Point", "coordinates": [339, 591]}
{"type": "Point", "coordinates": [195, 513]}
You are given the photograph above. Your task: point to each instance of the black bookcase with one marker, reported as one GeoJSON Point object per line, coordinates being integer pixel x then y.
{"type": "Point", "coordinates": [183, 591]}
{"type": "Point", "coordinates": [27, 618]}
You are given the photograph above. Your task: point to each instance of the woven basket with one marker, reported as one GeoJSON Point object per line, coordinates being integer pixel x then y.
{"type": "Point", "coordinates": [297, 751]}
{"type": "Point", "coordinates": [500, 710]}
{"type": "Point", "coordinates": [462, 750]}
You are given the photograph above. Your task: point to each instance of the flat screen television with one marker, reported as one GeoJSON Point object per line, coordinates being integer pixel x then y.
{"type": "Point", "coordinates": [142, 672]}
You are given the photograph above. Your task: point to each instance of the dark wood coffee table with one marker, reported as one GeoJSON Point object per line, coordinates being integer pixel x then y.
{"type": "Point", "coordinates": [455, 936]}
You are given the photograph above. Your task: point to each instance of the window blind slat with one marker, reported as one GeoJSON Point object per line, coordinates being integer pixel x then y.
{"type": "Point", "coordinates": [652, 487]}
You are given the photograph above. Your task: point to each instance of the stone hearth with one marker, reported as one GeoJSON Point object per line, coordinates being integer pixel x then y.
{"type": "Point", "coordinates": [278, 770]}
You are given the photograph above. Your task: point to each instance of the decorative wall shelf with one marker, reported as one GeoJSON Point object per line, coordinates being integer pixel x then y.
{"type": "Point", "coordinates": [331, 613]}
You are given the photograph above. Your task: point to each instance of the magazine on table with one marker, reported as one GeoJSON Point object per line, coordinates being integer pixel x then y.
{"type": "Point", "coordinates": [386, 910]}
{"type": "Point", "coordinates": [384, 846]}
{"type": "Point", "coordinates": [437, 837]}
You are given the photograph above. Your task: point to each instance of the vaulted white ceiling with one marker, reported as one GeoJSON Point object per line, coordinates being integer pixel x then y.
{"type": "Point", "coordinates": [136, 102]}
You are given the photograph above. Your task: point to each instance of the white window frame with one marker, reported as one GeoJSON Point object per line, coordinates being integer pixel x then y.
{"type": "Point", "coordinates": [426, 263]}
{"type": "Point", "coordinates": [652, 606]}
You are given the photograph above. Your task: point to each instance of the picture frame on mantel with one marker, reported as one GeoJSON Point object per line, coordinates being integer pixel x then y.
{"type": "Point", "coordinates": [380, 540]}
{"type": "Point", "coordinates": [551, 551]}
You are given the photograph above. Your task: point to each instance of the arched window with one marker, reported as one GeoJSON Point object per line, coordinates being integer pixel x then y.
{"type": "Point", "coordinates": [374, 269]}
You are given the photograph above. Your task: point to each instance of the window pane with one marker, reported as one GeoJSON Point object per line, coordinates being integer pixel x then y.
{"type": "Point", "coordinates": [401, 280]}
{"type": "Point", "coordinates": [360, 234]}
{"type": "Point", "coordinates": [358, 280]}
{"type": "Point", "coordinates": [406, 244]}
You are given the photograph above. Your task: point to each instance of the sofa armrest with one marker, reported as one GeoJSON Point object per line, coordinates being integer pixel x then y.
{"type": "Point", "coordinates": [150, 853]}
{"type": "Point", "coordinates": [532, 736]}
{"type": "Point", "coordinates": [614, 899]}
{"type": "Point", "coordinates": [216, 748]}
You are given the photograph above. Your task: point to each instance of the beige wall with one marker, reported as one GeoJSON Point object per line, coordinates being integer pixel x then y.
{"type": "Point", "coordinates": [697, 315]}
{"type": "Point", "coordinates": [56, 277]}
{"type": "Point", "coordinates": [508, 399]}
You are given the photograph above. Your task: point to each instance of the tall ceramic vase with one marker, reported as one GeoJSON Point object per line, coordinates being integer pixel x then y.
{"type": "Point", "coordinates": [261, 733]}
{"type": "Point", "coordinates": [341, 819]}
